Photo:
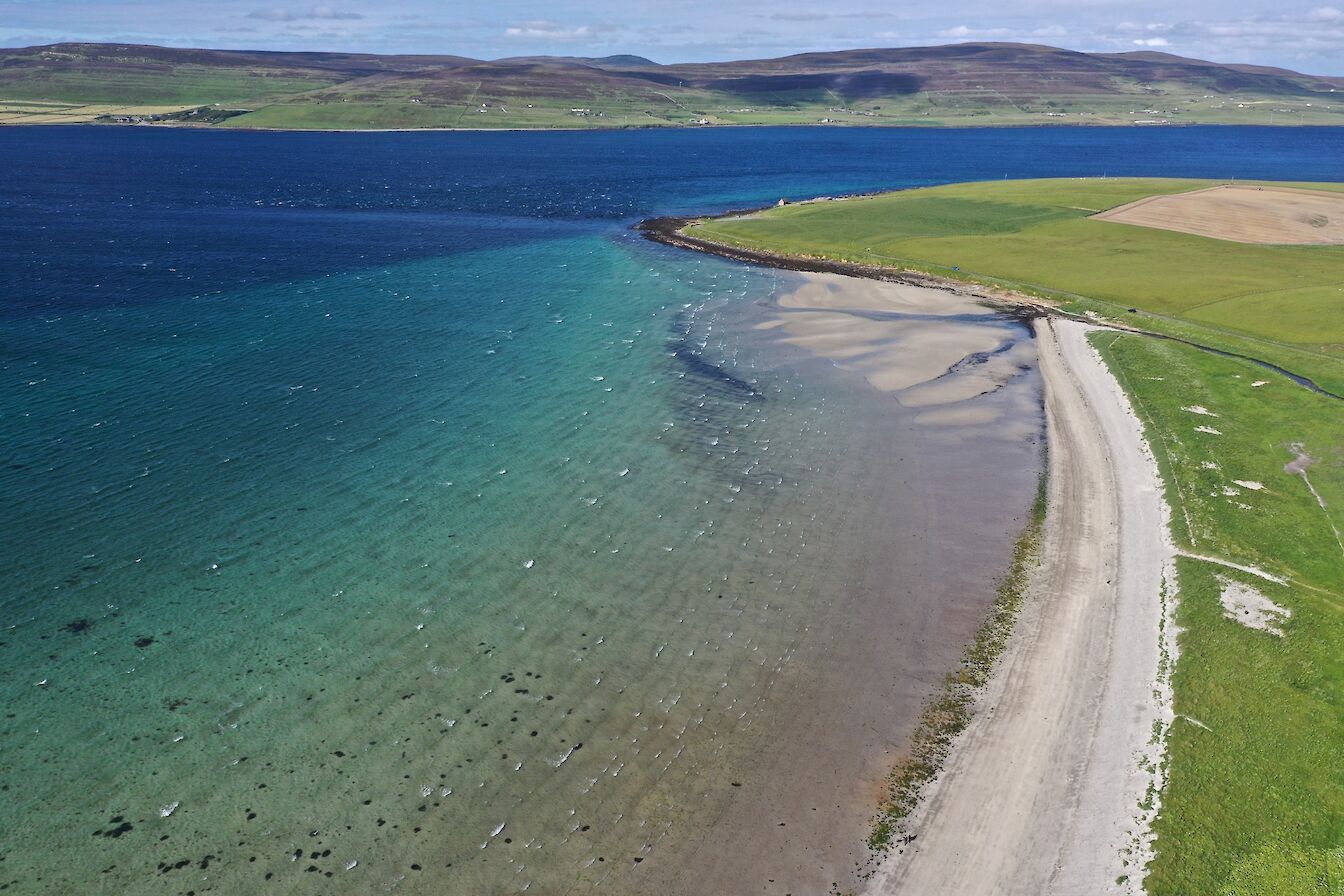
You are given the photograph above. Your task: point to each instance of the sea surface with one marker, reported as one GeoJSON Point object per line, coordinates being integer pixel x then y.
{"type": "Point", "coordinates": [379, 513]}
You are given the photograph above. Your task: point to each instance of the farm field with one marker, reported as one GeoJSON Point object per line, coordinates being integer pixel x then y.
{"type": "Point", "coordinates": [1277, 303]}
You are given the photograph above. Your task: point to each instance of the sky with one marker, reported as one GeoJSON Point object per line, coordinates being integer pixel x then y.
{"type": "Point", "coordinates": [1307, 37]}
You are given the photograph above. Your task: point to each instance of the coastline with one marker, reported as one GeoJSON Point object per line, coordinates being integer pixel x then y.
{"type": "Point", "coordinates": [670, 231]}
{"type": "Point", "coordinates": [1053, 784]}
{"type": "Point", "coordinates": [1071, 125]}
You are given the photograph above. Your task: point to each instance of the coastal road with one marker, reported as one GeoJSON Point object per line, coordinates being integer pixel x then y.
{"type": "Point", "coordinates": [1041, 794]}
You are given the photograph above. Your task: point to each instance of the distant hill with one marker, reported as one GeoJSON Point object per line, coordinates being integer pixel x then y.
{"type": "Point", "coordinates": [959, 84]}
{"type": "Point", "coordinates": [619, 61]}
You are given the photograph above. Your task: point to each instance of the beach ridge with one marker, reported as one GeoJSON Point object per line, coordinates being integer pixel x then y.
{"type": "Point", "coordinates": [1051, 788]}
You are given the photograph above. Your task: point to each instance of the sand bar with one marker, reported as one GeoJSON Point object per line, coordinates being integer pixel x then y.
{"type": "Point", "coordinates": [928, 348]}
{"type": "Point", "coordinates": [1040, 793]}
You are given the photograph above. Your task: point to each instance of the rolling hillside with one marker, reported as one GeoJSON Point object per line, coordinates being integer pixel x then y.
{"type": "Point", "coordinates": [962, 84]}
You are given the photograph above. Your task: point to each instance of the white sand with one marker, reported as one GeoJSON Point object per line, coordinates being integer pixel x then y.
{"type": "Point", "coordinates": [922, 361]}
{"type": "Point", "coordinates": [1040, 794]}
{"type": "Point", "coordinates": [1244, 604]}
{"type": "Point", "coordinates": [835, 291]}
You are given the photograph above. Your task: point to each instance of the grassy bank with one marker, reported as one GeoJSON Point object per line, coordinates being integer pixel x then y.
{"type": "Point", "coordinates": [1038, 237]}
{"type": "Point", "coordinates": [1255, 799]}
{"type": "Point", "coordinates": [1254, 471]}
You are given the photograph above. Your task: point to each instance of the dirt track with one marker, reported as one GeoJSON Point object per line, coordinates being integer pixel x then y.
{"type": "Point", "coordinates": [1040, 793]}
{"type": "Point", "coordinates": [1242, 214]}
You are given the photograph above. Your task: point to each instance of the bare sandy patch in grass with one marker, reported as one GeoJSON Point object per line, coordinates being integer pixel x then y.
{"type": "Point", "coordinates": [1242, 214]}
{"type": "Point", "coordinates": [1244, 604]}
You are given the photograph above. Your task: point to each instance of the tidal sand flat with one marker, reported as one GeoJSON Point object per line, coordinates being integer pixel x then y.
{"type": "Point", "coordinates": [930, 348]}
{"type": "Point", "coordinates": [906, 591]}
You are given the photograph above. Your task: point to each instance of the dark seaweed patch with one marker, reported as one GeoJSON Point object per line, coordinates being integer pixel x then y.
{"type": "Point", "coordinates": [122, 826]}
{"type": "Point", "coordinates": [696, 364]}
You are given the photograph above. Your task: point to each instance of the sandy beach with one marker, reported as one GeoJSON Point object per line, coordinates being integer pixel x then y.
{"type": "Point", "coordinates": [930, 349]}
{"type": "Point", "coordinates": [1041, 793]}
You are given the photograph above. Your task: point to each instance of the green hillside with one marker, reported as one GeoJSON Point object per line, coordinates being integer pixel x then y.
{"type": "Point", "coordinates": [963, 84]}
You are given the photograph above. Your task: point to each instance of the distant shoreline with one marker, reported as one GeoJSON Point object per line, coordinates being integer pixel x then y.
{"type": "Point", "coordinates": [963, 84]}
{"type": "Point", "coordinates": [1016, 126]}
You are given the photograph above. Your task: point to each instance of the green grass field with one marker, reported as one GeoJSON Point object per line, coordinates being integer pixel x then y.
{"type": "Point", "coordinates": [1254, 804]}
{"type": "Point", "coordinates": [1255, 800]}
{"type": "Point", "coordinates": [1283, 304]}
{"type": "Point", "coordinates": [189, 85]}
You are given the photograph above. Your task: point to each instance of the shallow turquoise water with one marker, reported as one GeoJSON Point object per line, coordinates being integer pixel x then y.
{"type": "Point", "coordinates": [378, 513]}
{"type": "Point", "coordinates": [302, 568]}
{"type": "Point", "coordinates": [328, 588]}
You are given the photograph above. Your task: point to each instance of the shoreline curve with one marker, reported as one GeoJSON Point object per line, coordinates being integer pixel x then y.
{"type": "Point", "coordinates": [1052, 787]}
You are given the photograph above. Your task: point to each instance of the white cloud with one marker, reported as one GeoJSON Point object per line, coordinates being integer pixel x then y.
{"type": "Point", "coordinates": [544, 30]}
{"type": "Point", "coordinates": [326, 12]}
{"type": "Point", "coordinates": [283, 14]}
{"type": "Point", "coordinates": [964, 32]}
{"type": "Point", "coordinates": [1285, 36]}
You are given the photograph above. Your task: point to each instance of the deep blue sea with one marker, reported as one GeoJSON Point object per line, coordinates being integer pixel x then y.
{"type": "Point", "coordinates": [378, 512]}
